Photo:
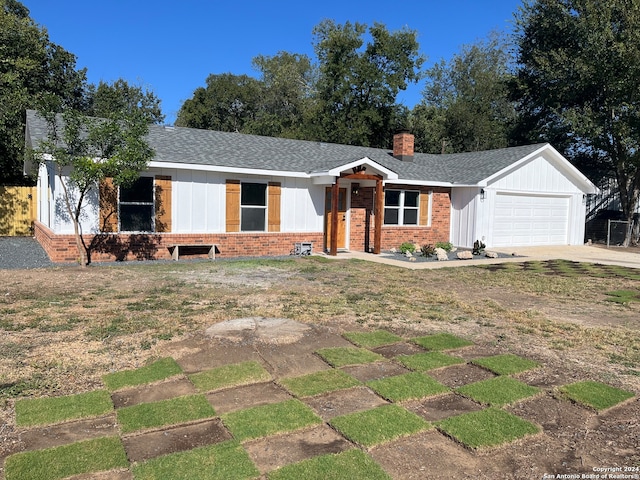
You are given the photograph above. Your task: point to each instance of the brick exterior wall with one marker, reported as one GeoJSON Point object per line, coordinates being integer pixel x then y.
{"type": "Point", "coordinates": [363, 220]}
{"type": "Point", "coordinates": [155, 246]}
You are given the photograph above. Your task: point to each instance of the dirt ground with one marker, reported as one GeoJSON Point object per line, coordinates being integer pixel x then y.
{"type": "Point", "coordinates": [61, 329]}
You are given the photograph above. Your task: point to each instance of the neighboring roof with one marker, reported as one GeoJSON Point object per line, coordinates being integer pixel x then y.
{"type": "Point", "coordinates": [191, 146]}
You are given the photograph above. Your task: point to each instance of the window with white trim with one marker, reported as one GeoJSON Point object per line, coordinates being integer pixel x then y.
{"type": "Point", "coordinates": [401, 207]}
{"type": "Point", "coordinates": [253, 207]}
{"type": "Point", "coordinates": [136, 206]}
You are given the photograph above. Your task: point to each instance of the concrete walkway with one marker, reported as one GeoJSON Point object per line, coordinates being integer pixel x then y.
{"type": "Point", "coordinates": [583, 253]}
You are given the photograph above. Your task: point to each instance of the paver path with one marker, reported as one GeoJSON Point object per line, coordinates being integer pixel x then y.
{"type": "Point", "coordinates": [287, 349]}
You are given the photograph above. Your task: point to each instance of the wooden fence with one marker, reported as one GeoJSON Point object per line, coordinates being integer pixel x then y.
{"type": "Point", "coordinates": [17, 210]}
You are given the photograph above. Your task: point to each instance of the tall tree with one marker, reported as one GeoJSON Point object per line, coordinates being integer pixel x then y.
{"type": "Point", "coordinates": [33, 72]}
{"type": "Point", "coordinates": [107, 99]}
{"type": "Point", "coordinates": [85, 150]}
{"type": "Point", "coordinates": [287, 81]}
{"type": "Point", "coordinates": [466, 105]}
{"type": "Point", "coordinates": [227, 103]}
{"type": "Point", "coordinates": [358, 84]}
{"type": "Point", "coordinates": [579, 85]}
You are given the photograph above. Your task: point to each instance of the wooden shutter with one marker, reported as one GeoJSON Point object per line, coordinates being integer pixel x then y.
{"type": "Point", "coordinates": [108, 203]}
{"type": "Point", "coordinates": [424, 209]}
{"type": "Point", "coordinates": [274, 206]}
{"type": "Point", "coordinates": [163, 203]}
{"type": "Point", "coordinates": [233, 205]}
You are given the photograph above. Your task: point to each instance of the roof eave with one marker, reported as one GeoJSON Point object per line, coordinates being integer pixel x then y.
{"type": "Point", "coordinates": [224, 169]}
{"type": "Point", "coordinates": [421, 183]}
{"type": "Point", "coordinates": [337, 171]}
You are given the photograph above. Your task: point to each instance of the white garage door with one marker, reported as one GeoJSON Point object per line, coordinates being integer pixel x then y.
{"type": "Point", "coordinates": [521, 220]}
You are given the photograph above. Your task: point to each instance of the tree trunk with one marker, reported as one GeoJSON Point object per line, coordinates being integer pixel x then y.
{"type": "Point", "coordinates": [83, 259]}
{"type": "Point", "coordinates": [629, 192]}
{"type": "Point", "coordinates": [75, 218]}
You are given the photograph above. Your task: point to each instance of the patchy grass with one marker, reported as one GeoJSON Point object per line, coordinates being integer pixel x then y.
{"type": "Point", "coordinates": [623, 296]}
{"type": "Point", "coordinates": [346, 294]}
{"type": "Point", "coordinates": [353, 464]}
{"type": "Point", "coordinates": [164, 412]}
{"type": "Point", "coordinates": [24, 387]}
{"type": "Point", "coordinates": [409, 386]}
{"type": "Point", "coordinates": [230, 376]}
{"type": "Point", "coordinates": [222, 461]}
{"type": "Point", "coordinates": [486, 428]}
{"type": "Point", "coordinates": [158, 370]}
{"type": "Point", "coordinates": [265, 420]}
{"type": "Point", "coordinates": [373, 339]}
{"type": "Point", "coordinates": [379, 425]}
{"type": "Point", "coordinates": [428, 361]}
{"type": "Point", "coordinates": [45, 411]}
{"type": "Point", "coordinates": [319, 382]}
{"type": "Point", "coordinates": [343, 356]}
{"type": "Point", "coordinates": [441, 341]}
{"type": "Point", "coordinates": [507, 364]}
{"type": "Point", "coordinates": [95, 455]}
{"type": "Point", "coordinates": [596, 395]}
{"type": "Point", "coordinates": [498, 391]}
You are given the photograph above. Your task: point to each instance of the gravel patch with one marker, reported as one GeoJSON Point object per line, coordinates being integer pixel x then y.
{"type": "Point", "coordinates": [417, 257]}
{"type": "Point", "coordinates": [22, 253]}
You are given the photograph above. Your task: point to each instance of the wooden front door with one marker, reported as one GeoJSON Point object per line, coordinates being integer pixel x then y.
{"type": "Point", "coordinates": [342, 217]}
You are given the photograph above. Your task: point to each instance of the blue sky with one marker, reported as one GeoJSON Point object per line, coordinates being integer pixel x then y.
{"type": "Point", "coordinates": [171, 47]}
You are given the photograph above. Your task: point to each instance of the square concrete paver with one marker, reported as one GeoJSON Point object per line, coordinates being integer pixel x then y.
{"type": "Point", "coordinates": [444, 406]}
{"type": "Point", "coordinates": [175, 387]}
{"type": "Point", "coordinates": [402, 348]}
{"type": "Point", "coordinates": [169, 440]}
{"type": "Point", "coordinates": [68, 432]}
{"type": "Point", "coordinates": [237, 398]}
{"type": "Point", "coordinates": [292, 364]}
{"type": "Point", "coordinates": [556, 417]}
{"type": "Point", "coordinates": [198, 355]}
{"type": "Point", "coordinates": [456, 376]}
{"type": "Point", "coordinates": [545, 376]}
{"type": "Point", "coordinates": [341, 402]}
{"type": "Point", "coordinates": [278, 451]}
{"type": "Point", "coordinates": [426, 455]}
{"type": "Point", "coordinates": [321, 338]}
{"type": "Point", "coordinates": [375, 371]}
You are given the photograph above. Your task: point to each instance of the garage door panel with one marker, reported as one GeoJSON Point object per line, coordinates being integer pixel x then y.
{"type": "Point", "coordinates": [530, 220]}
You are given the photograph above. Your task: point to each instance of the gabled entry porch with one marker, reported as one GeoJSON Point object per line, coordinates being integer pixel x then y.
{"type": "Point", "coordinates": [358, 184]}
{"type": "Point", "coordinates": [336, 221]}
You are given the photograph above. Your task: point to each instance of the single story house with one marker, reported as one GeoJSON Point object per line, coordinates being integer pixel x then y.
{"type": "Point", "coordinates": [252, 195]}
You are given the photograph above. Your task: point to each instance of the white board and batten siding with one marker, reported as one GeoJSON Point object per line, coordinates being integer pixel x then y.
{"type": "Point", "coordinates": [534, 204]}
{"type": "Point", "coordinates": [198, 202]}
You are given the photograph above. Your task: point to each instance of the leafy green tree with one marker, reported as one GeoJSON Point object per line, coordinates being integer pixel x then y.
{"type": "Point", "coordinates": [355, 97]}
{"type": "Point", "coordinates": [85, 150]}
{"type": "Point", "coordinates": [106, 99]}
{"type": "Point", "coordinates": [226, 104]}
{"type": "Point", "coordinates": [579, 85]}
{"type": "Point", "coordinates": [33, 72]}
{"type": "Point", "coordinates": [287, 82]}
{"type": "Point", "coordinates": [466, 105]}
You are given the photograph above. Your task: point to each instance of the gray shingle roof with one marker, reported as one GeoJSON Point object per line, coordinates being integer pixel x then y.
{"type": "Point", "coordinates": [236, 150]}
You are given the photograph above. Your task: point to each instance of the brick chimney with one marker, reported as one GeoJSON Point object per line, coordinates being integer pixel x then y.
{"type": "Point", "coordinates": [403, 146]}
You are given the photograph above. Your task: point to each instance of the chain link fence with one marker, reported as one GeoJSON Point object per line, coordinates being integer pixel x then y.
{"type": "Point", "coordinates": [618, 231]}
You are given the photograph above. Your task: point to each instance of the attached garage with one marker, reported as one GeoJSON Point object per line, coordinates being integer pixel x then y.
{"type": "Point", "coordinates": [538, 199]}
{"type": "Point", "coordinates": [530, 220]}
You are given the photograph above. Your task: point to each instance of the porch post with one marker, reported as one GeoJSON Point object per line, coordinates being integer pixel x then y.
{"type": "Point", "coordinates": [378, 212]}
{"type": "Point", "coordinates": [335, 197]}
